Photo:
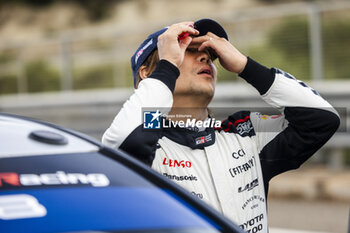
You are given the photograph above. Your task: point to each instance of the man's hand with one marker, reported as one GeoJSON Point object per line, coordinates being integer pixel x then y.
{"type": "Point", "coordinates": [230, 58]}
{"type": "Point", "coordinates": [170, 48]}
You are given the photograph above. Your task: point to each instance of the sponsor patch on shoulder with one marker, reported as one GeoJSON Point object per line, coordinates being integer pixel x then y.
{"type": "Point", "coordinates": [244, 128]}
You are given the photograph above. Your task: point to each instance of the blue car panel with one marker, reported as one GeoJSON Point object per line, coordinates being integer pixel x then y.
{"type": "Point", "coordinates": [112, 208]}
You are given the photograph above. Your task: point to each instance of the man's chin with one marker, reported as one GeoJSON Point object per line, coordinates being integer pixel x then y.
{"type": "Point", "coordinates": [205, 91]}
{"type": "Point", "coordinates": [199, 89]}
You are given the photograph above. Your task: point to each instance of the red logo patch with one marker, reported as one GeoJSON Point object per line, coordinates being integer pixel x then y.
{"type": "Point", "coordinates": [176, 163]}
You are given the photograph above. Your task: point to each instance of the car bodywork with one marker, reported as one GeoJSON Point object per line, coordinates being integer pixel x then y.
{"type": "Point", "coordinates": [55, 180]}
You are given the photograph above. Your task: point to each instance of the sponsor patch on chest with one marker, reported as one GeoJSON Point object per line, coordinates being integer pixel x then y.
{"type": "Point", "coordinates": [203, 139]}
{"type": "Point", "coordinates": [176, 163]}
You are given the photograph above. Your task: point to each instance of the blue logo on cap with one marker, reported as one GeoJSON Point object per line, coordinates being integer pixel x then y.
{"type": "Point", "coordinates": [151, 119]}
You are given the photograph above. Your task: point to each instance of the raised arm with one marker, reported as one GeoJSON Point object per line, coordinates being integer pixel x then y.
{"type": "Point", "coordinates": [306, 122]}
{"type": "Point", "coordinates": [156, 91]}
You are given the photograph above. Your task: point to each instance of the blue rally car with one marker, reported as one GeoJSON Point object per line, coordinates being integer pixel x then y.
{"type": "Point", "coordinates": [56, 180]}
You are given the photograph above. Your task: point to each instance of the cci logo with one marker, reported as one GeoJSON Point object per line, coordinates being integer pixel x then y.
{"type": "Point", "coordinates": [151, 119]}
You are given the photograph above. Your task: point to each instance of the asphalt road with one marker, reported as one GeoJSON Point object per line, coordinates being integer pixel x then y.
{"type": "Point", "coordinates": [310, 215]}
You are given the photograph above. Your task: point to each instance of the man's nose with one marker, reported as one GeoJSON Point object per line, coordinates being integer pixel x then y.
{"type": "Point", "coordinates": [204, 57]}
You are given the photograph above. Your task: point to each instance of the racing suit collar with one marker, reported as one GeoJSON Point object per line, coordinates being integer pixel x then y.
{"type": "Point", "coordinates": [191, 138]}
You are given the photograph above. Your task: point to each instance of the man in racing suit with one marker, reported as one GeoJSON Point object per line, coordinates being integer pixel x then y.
{"type": "Point", "coordinates": [230, 166]}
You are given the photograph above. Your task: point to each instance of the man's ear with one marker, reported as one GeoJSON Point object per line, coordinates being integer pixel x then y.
{"type": "Point", "coordinates": [143, 72]}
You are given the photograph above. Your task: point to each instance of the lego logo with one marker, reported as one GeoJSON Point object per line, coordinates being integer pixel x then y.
{"type": "Point", "coordinates": [176, 163]}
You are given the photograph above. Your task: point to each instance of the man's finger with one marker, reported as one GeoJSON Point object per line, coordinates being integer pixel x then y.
{"type": "Point", "coordinates": [199, 39]}
{"type": "Point", "coordinates": [210, 34]}
{"type": "Point", "coordinates": [209, 43]}
{"type": "Point", "coordinates": [183, 28]}
{"type": "Point", "coordinates": [184, 43]}
{"type": "Point", "coordinates": [205, 38]}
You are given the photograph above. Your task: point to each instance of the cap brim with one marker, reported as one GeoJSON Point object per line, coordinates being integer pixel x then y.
{"type": "Point", "coordinates": [208, 25]}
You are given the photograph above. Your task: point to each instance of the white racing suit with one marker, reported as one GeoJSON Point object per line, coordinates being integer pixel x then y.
{"type": "Point", "coordinates": [228, 167]}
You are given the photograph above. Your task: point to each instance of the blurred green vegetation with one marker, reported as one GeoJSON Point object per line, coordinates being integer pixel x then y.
{"type": "Point", "coordinates": [8, 84]}
{"type": "Point", "coordinates": [93, 77]}
{"type": "Point", "coordinates": [7, 56]}
{"type": "Point", "coordinates": [42, 77]}
{"type": "Point", "coordinates": [129, 82]}
{"type": "Point", "coordinates": [336, 47]}
{"type": "Point", "coordinates": [328, 154]}
{"type": "Point", "coordinates": [347, 157]}
{"type": "Point", "coordinates": [288, 48]}
{"type": "Point", "coordinates": [223, 74]}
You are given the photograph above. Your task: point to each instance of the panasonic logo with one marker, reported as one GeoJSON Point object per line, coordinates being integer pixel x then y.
{"type": "Point", "coordinates": [58, 178]}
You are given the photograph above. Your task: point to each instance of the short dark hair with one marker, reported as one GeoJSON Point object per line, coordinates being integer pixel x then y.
{"type": "Point", "coordinates": [150, 64]}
